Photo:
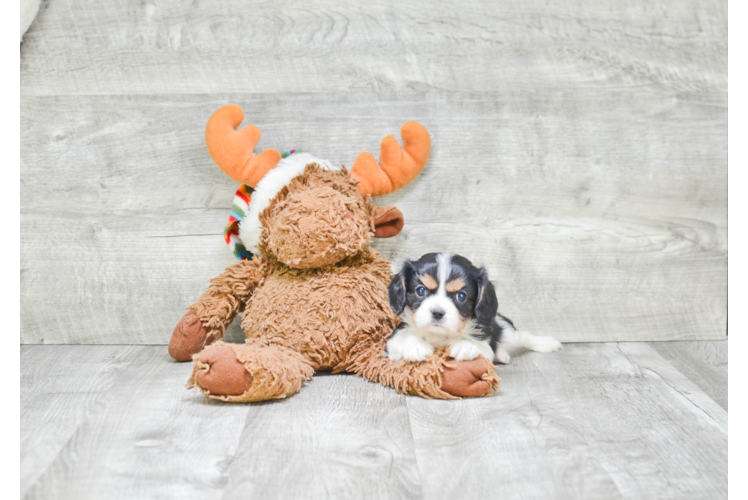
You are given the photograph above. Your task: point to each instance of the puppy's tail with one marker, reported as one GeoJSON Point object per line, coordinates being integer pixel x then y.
{"type": "Point", "coordinates": [519, 338]}
{"type": "Point", "coordinates": [513, 338]}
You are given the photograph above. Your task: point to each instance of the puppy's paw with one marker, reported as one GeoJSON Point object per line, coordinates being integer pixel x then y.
{"type": "Point", "coordinates": [408, 347]}
{"type": "Point", "coordinates": [502, 356]}
{"type": "Point", "coordinates": [545, 344]}
{"type": "Point", "coordinates": [417, 352]}
{"type": "Point", "coordinates": [463, 350]}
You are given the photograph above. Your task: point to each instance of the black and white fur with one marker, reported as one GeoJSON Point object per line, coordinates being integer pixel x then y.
{"type": "Point", "coordinates": [445, 301]}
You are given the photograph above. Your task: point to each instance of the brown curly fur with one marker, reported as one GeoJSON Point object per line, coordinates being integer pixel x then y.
{"type": "Point", "coordinates": [228, 294]}
{"type": "Point", "coordinates": [316, 220]}
{"type": "Point", "coordinates": [316, 298]}
{"type": "Point", "coordinates": [322, 313]}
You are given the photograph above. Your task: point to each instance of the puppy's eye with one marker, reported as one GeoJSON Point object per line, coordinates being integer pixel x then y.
{"type": "Point", "coordinates": [461, 297]}
{"type": "Point", "coordinates": [421, 291]}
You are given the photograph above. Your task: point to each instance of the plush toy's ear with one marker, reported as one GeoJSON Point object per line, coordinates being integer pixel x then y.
{"type": "Point", "coordinates": [387, 222]}
{"type": "Point", "coordinates": [399, 288]}
{"type": "Point", "coordinates": [486, 305]}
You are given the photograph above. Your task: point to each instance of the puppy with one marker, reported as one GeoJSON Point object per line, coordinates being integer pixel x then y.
{"type": "Point", "coordinates": [445, 301]}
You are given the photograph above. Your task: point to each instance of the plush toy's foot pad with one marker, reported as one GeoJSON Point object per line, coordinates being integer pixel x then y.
{"type": "Point", "coordinates": [189, 337]}
{"type": "Point", "coordinates": [472, 378]}
{"type": "Point", "coordinates": [248, 372]}
{"type": "Point", "coordinates": [219, 372]}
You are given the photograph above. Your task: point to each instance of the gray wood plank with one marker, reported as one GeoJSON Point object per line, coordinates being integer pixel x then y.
{"type": "Point", "coordinates": [29, 9]}
{"type": "Point", "coordinates": [592, 421]}
{"type": "Point", "coordinates": [737, 349]}
{"type": "Point", "coordinates": [703, 362]}
{"type": "Point", "coordinates": [60, 387]}
{"type": "Point", "coordinates": [79, 47]}
{"type": "Point", "coordinates": [594, 212]}
{"type": "Point", "coordinates": [147, 438]}
{"type": "Point", "coordinates": [339, 437]}
{"type": "Point", "coordinates": [648, 360]}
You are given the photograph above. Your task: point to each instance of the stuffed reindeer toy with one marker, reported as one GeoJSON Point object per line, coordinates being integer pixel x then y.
{"type": "Point", "coordinates": [314, 295]}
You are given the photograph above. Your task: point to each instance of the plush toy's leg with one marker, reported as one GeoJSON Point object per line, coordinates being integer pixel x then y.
{"type": "Point", "coordinates": [248, 372]}
{"type": "Point", "coordinates": [207, 319]}
{"type": "Point", "coordinates": [438, 377]}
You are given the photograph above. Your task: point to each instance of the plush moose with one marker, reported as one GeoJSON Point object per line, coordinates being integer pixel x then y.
{"type": "Point", "coordinates": [314, 297]}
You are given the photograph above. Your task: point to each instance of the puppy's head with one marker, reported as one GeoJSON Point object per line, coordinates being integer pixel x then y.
{"type": "Point", "coordinates": [443, 292]}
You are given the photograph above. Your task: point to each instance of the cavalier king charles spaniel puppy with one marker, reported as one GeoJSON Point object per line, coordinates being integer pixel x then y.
{"type": "Point", "coordinates": [445, 301]}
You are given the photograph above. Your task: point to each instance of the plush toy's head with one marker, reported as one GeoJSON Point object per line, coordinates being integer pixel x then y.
{"type": "Point", "coordinates": [305, 212]}
{"type": "Point", "coordinates": [320, 218]}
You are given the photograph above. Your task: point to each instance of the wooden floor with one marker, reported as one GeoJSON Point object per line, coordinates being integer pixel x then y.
{"type": "Point", "coordinates": [605, 420]}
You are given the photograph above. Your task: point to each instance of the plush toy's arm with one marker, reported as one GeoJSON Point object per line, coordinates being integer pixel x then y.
{"type": "Point", "coordinates": [438, 377]}
{"type": "Point", "coordinates": [227, 294]}
{"type": "Point", "coordinates": [207, 319]}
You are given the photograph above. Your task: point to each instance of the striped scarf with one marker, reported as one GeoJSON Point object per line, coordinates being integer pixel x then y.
{"type": "Point", "coordinates": [239, 209]}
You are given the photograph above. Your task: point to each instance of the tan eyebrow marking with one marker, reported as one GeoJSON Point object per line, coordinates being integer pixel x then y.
{"type": "Point", "coordinates": [429, 282]}
{"type": "Point", "coordinates": [455, 285]}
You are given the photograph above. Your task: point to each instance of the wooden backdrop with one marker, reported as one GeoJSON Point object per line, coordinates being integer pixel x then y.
{"type": "Point", "coordinates": [579, 151]}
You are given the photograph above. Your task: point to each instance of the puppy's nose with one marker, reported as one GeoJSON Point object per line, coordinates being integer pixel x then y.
{"type": "Point", "coordinates": [437, 313]}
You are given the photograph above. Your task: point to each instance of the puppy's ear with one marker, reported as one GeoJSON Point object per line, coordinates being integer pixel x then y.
{"type": "Point", "coordinates": [486, 305]}
{"type": "Point", "coordinates": [399, 288]}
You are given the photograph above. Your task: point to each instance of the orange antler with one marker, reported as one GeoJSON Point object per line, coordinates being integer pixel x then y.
{"type": "Point", "coordinates": [232, 149]}
{"type": "Point", "coordinates": [397, 165]}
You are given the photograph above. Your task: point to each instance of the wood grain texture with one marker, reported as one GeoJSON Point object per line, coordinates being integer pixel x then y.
{"type": "Point", "coordinates": [594, 421]}
{"type": "Point", "coordinates": [596, 214]}
{"type": "Point", "coordinates": [579, 151]}
{"type": "Point", "coordinates": [148, 437]}
{"type": "Point", "coordinates": [703, 362]}
{"type": "Point", "coordinates": [336, 46]}
{"type": "Point", "coordinates": [29, 8]}
{"type": "Point", "coordinates": [340, 437]}
{"type": "Point", "coordinates": [60, 387]}
{"type": "Point", "coordinates": [737, 352]}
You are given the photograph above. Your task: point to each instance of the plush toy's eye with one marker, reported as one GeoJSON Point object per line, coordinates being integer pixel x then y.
{"type": "Point", "coordinates": [421, 291]}
{"type": "Point", "coordinates": [461, 297]}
